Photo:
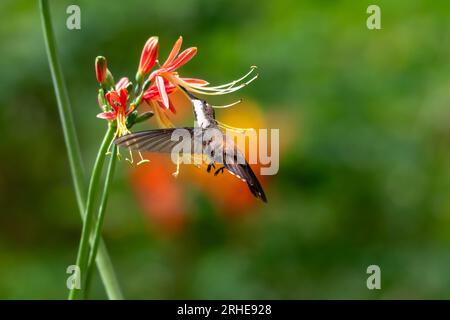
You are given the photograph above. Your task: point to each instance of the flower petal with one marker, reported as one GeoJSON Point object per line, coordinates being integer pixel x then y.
{"type": "Point", "coordinates": [153, 93]}
{"type": "Point", "coordinates": [182, 59]}
{"type": "Point", "coordinates": [150, 93]}
{"type": "Point", "coordinates": [123, 94]}
{"type": "Point", "coordinates": [148, 56]}
{"type": "Point", "coordinates": [162, 91]}
{"type": "Point", "coordinates": [112, 97]}
{"type": "Point", "coordinates": [171, 106]}
{"type": "Point", "coordinates": [200, 82]}
{"type": "Point", "coordinates": [161, 117]}
{"type": "Point", "coordinates": [176, 48]}
{"type": "Point", "coordinates": [109, 115]}
{"type": "Point", "coordinates": [122, 83]}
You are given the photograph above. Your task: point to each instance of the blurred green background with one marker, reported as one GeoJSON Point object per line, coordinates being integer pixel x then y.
{"type": "Point", "coordinates": [365, 178]}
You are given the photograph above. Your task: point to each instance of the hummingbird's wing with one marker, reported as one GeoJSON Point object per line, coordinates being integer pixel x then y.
{"type": "Point", "coordinates": [158, 140]}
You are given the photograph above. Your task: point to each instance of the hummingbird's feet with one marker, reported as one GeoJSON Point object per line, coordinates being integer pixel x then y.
{"type": "Point", "coordinates": [220, 170]}
{"type": "Point", "coordinates": [211, 165]}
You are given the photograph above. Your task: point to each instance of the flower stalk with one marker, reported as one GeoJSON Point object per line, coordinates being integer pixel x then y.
{"type": "Point", "coordinates": [83, 249]}
{"type": "Point", "coordinates": [100, 218]}
{"type": "Point", "coordinates": [103, 261]}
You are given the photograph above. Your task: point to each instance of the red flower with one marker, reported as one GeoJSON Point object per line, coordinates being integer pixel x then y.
{"type": "Point", "coordinates": [117, 99]}
{"type": "Point", "coordinates": [148, 57]}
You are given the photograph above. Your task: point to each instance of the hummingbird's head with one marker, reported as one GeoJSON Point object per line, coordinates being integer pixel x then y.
{"type": "Point", "coordinates": [202, 109]}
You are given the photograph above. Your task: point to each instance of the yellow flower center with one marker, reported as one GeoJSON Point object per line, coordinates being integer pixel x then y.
{"type": "Point", "coordinates": [121, 123]}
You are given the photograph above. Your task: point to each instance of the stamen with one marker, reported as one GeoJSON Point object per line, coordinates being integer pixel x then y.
{"type": "Point", "coordinates": [161, 117]}
{"type": "Point", "coordinates": [228, 105]}
{"type": "Point", "coordinates": [131, 160]}
{"type": "Point", "coordinates": [217, 90]}
{"type": "Point", "coordinates": [232, 83]}
{"type": "Point", "coordinates": [142, 159]}
{"type": "Point", "coordinates": [212, 91]}
{"type": "Point", "coordinates": [110, 144]}
{"type": "Point", "coordinates": [228, 86]}
{"type": "Point", "coordinates": [240, 130]}
{"type": "Point", "coordinates": [252, 68]}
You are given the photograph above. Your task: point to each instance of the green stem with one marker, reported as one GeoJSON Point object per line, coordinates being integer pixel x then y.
{"type": "Point", "coordinates": [100, 217]}
{"type": "Point", "coordinates": [104, 264]}
{"type": "Point", "coordinates": [83, 249]}
{"type": "Point", "coordinates": [64, 108]}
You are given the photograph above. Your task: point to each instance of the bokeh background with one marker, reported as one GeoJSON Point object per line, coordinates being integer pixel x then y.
{"type": "Point", "coordinates": [364, 120]}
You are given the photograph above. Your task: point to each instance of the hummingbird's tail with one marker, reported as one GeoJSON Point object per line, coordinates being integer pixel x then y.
{"type": "Point", "coordinates": [245, 173]}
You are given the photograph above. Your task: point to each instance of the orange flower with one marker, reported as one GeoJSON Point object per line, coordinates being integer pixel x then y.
{"type": "Point", "coordinates": [166, 80]}
{"type": "Point", "coordinates": [175, 61]}
{"type": "Point", "coordinates": [167, 71]}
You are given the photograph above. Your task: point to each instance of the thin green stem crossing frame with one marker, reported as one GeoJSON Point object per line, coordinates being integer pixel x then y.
{"type": "Point", "coordinates": [103, 261]}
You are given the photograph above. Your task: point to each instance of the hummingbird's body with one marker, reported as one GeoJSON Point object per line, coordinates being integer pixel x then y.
{"type": "Point", "coordinates": [219, 149]}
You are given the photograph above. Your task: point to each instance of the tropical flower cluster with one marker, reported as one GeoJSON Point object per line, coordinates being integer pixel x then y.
{"type": "Point", "coordinates": [120, 100]}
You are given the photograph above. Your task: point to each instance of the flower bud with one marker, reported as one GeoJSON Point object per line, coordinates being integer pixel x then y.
{"type": "Point", "coordinates": [100, 69]}
{"type": "Point", "coordinates": [144, 116]}
{"type": "Point", "coordinates": [131, 119]}
{"type": "Point", "coordinates": [148, 57]}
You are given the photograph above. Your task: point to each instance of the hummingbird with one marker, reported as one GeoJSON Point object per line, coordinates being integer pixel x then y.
{"type": "Point", "coordinates": [218, 151]}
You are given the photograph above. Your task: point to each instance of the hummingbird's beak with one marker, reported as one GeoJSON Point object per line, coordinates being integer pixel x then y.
{"type": "Point", "coordinates": [190, 95]}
